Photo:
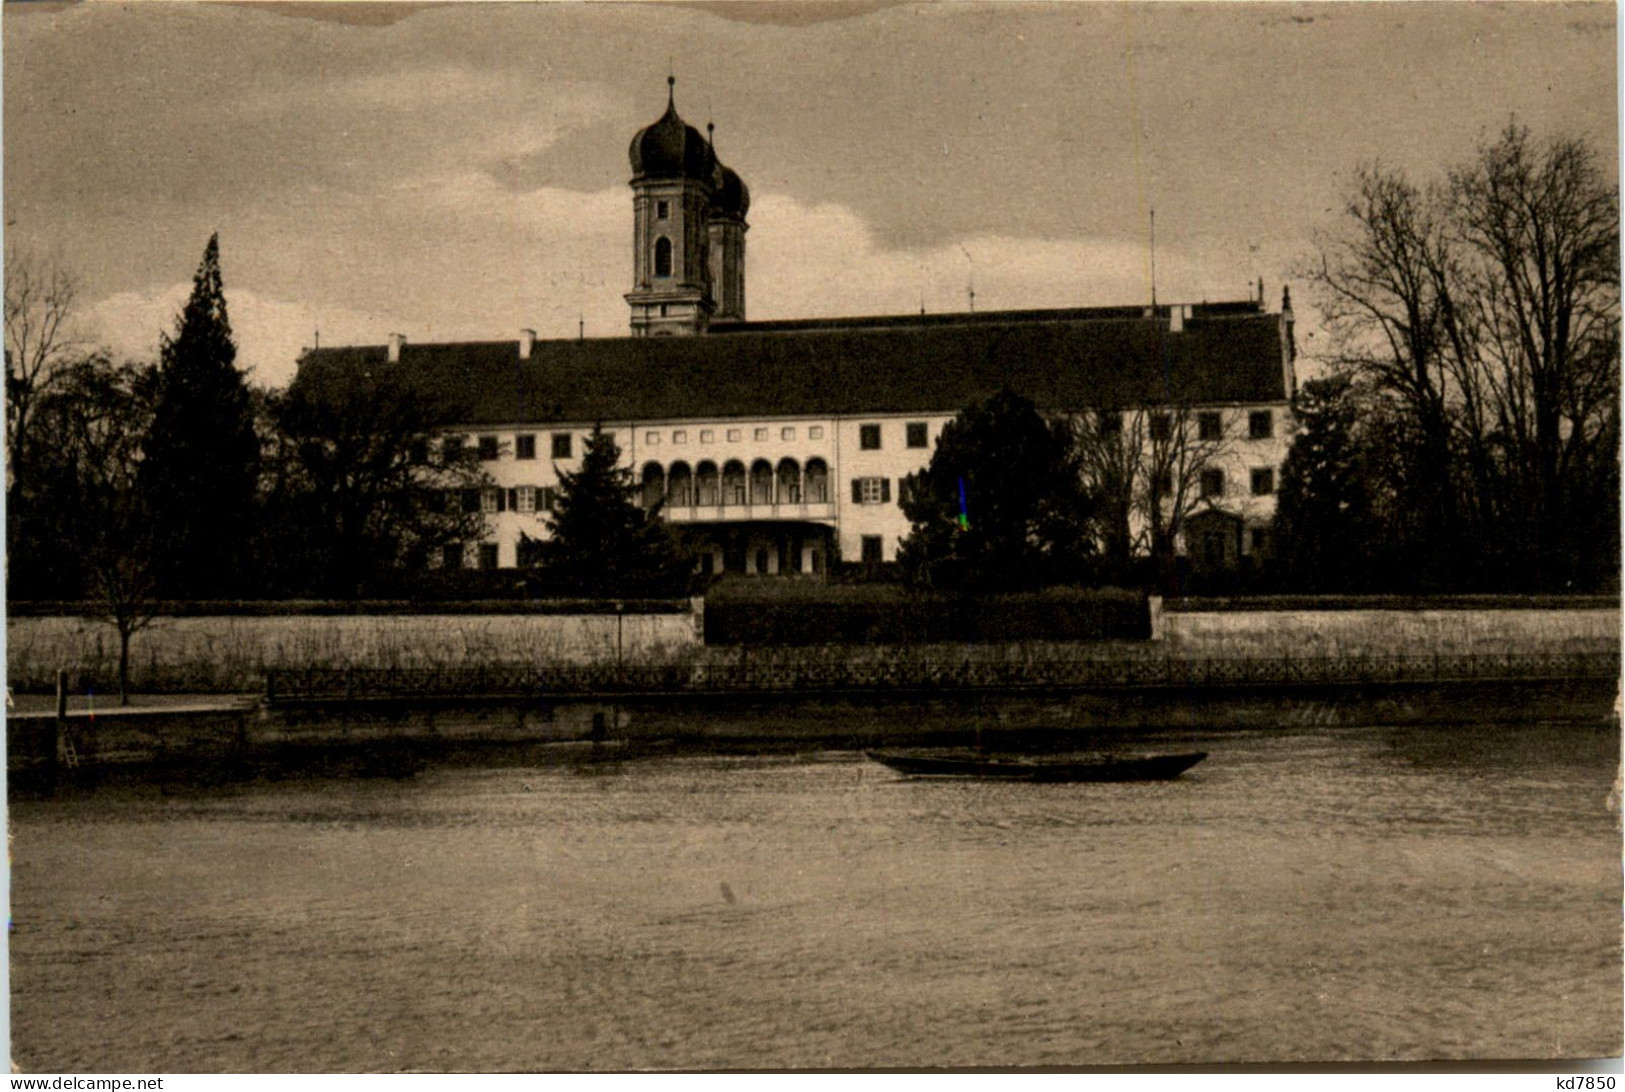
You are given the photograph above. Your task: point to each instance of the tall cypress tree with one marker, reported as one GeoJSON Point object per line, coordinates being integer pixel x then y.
{"type": "Point", "coordinates": [1323, 518]}
{"type": "Point", "coordinates": [202, 456]}
{"type": "Point", "coordinates": [603, 542]}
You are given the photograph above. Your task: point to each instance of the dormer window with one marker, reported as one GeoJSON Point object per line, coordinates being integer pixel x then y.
{"type": "Point", "coordinates": [662, 257]}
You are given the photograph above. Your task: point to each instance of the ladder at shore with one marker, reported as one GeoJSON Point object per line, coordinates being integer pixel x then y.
{"type": "Point", "coordinates": [66, 752]}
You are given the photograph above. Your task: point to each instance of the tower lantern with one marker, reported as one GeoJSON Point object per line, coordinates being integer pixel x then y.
{"type": "Point", "coordinates": [688, 251]}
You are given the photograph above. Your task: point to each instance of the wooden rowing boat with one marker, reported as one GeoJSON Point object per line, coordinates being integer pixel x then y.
{"type": "Point", "coordinates": [1034, 768]}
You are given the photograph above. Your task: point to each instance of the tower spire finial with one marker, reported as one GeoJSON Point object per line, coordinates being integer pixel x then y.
{"type": "Point", "coordinates": [1153, 257]}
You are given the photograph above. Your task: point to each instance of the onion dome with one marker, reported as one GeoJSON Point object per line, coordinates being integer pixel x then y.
{"type": "Point", "coordinates": [732, 197]}
{"type": "Point", "coordinates": [671, 148]}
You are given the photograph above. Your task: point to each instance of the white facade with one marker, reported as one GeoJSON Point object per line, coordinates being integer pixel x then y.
{"type": "Point", "coordinates": [777, 481]}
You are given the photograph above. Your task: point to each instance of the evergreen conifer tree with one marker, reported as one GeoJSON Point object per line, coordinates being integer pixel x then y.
{"type": "Point", "coordinates": [603, 542]}
{"type": "Point", "coordinates": [202, 456]}
{"type": "Point", "coordinates": [1002, 506]}
{"type": "Point", "coordinates": [1323, 518]}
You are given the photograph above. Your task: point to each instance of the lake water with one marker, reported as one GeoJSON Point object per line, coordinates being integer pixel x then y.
{"type": "Point", "coordinates": [1303, 895]}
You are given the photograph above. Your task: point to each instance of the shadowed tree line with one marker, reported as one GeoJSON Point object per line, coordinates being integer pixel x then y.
{"type": "Point", "coordinates": [129, 484]}
{"type": "Point", "coordinates": [133, 483]}
{"type": "Point", "coordinates": [1470, 435]}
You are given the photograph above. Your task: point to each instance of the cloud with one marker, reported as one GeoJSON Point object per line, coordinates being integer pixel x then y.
{"type": "Point", "coordinates": [270, 333]}
{"type": "Point", "coordinates": [824, 260]}
{"type": "Point", "coordinates": [467, 259]}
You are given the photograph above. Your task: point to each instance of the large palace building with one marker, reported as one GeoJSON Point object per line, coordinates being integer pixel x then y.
{"type": "Point", "coordinates": [779, 446]}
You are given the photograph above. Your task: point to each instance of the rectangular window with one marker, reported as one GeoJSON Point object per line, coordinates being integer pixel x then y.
{"type": "Point", "coordinates": [524, 445]}
{"type": "Point", "coordinates": [490, 501]}
{"type": "Point", "coordinates": [451, 556]}
{"type": "Point", "coordinates": [680, 436]}
{"type": "Point", "coordinates": [1212, 483]}
{"type": "Point", "coordinates": [1109, 423]}
{"type": "Point", "coordinates": [816, 432]}
{"type": "Point", "coordinates": [1162, 483]}
{"type": "Point", "coordinates": [1162, 426]}
{"type": "Point", "coordinates": [452, 448]}
{"type": "Point", "coordinates": [545, 498]}
{"type": "Point", "coordinates": [488, 555]}
{"type": "Point", "coordinates": [1260, 425]}
{"type": "Point", "coordinates": [872, 553]}
{"type": "Point", "coordinates": [733, 435]}
{"type": "Point", "coordinates": [869, 437]}
{"type": "Point", "coordinates": [662, 210]}
{"type": "Point", "coordinates": [761, 434]}
{"type": "Point", "coordinates": [1261, 540]}
{"type": "Point", "coordinates": [707, 436]}
{"type": "Point", "coordinates": [561, 445]}
{"type": "Point", "coordinates": [918, 434]}
{"type": "Point", "coordinates": [1209, 426]}
{"type": "Point", "coordinates": [871, 490]}
{"type": "Point", "coordinates": [525, 499]}
{"type": "Point", "coordinates": [787, 434]}
{"type": "Point", "coordinates": [488, 448]}
{"type": "Point", "coordinates": [1263, 481]}
{"type": "Point", "coordinates": [652, 439]}
{"type": "Point", "coordinates": [471, 500]}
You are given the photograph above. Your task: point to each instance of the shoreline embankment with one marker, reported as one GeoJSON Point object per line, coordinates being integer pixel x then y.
{"type": "Point", "coordinates": [235, 653]}
{"type": "Point", "coordinates": [250, 739]}
{"type": "Point", "coordinates": [313, 684]}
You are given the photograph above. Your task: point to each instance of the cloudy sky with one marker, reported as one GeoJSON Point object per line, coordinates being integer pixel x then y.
{"type": "Point", "coordinates": [459, 171]}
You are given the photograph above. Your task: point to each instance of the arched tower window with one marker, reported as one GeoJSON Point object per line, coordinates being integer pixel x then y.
{"type": "Point", "coordinates": [662, 257]}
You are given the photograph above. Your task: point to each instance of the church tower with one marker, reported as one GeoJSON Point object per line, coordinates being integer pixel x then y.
{"type": "Point", "coordinates": [688, 236]}
{"type": "Point", "coordinates": [729, 203]}
{"type": "Point", "coordinates": [674, 176]}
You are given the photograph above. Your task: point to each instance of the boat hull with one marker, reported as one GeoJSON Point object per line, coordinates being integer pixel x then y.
{"type": "Point", "coordinates": [1144, 768]}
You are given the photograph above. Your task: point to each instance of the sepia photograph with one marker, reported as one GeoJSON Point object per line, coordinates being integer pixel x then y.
{"type": "Point", "coordinates": [1126, 579]}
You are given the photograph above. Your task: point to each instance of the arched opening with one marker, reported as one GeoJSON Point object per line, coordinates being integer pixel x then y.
{"type": "Point", "coordinates": [680, 486]}
{"type": "Point", "coordinates": [817, 482]}
{"type": "Point", "coordinates": [733, 482]}
{"type": "Point", "coordinates": [705, 483]}
{"type": "Point", "coordinates": [662, 257]}
{"type": "Point", "coordinates": [761, 482]}
{"type": "Point", "coordinates": [789, 482]}
{"type": "Point", "coordinates": [654, 484]}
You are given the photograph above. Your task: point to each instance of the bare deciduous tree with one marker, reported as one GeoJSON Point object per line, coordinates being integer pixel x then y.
{"type": "Point", "coordinates": [98, 415]}
{"type": "Point", "coordinates": [40, 300]}
{"type": "Point", "coordinates": [1145, 465]}
{"type": "Point", "coordinates": [1487, 309]}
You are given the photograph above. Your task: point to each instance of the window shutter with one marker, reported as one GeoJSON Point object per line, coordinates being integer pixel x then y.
{"type": "Point", "coordinates": [502, 500]}
{"type": "Point", "coordinates": [857, 490]}
{"type": "Point", "coordinates": [885, 490]}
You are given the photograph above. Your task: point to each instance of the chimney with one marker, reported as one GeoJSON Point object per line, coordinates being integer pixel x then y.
{"type": "Point", "coordinates": [396, 341]}
{"type": "Point", "coordinates": [1289, 342]}
{"type": "Point", "coordinates": [1176, 318]}
{"type": "Point", "coordinates": [527, 342]}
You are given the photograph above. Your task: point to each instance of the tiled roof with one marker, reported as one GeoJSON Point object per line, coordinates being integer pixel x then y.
{"type": "Point", "coordinates": [1062, 360]}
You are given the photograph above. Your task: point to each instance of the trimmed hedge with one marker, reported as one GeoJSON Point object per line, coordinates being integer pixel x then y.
{"type": "Point", "coordinates": [893, 617]}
